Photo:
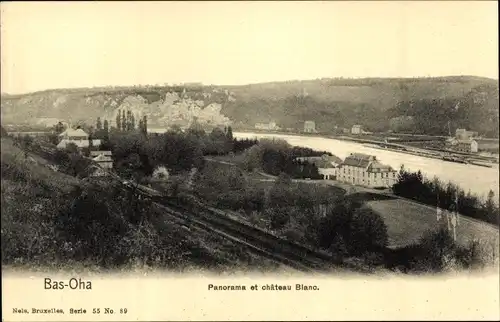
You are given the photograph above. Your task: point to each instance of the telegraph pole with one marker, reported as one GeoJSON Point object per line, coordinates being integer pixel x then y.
{"type": "Point", "coordinates": [454, 218]}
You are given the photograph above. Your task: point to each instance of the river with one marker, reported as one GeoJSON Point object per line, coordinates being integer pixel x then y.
{"type": "Point", "coordinates": [480, 180]}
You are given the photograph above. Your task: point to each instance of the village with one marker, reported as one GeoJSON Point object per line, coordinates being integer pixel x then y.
{"type": "Point", "coordinates": [462, 147]}
{"type": "Point", "coordinates": [357, 169]}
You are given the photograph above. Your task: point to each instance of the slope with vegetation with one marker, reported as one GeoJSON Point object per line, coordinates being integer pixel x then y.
{"type": "Point", "coordinates": [424, 105]}
{"type": "Point", "coordinates": [52, 219]}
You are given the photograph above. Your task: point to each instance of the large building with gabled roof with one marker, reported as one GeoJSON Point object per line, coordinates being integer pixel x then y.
{"type": "Point", "coordinates": [365, 170]}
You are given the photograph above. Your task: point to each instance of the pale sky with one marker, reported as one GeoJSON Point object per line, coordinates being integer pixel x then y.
{"type": "Point", "coordinates": [65, 44]}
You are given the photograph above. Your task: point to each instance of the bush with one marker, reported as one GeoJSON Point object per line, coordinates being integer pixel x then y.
{"type": "Point", "coordinates": [277, 156]}
{"type": "Point", "coordinates": [338, 247]}
{"type": "Point", "coordinates": [336, 223]}
{"type": "Point", "coordinates": [368, 231]}
{"type": "Point", "coordinates": [279, 217]}
{"type": "Point", "coordinates": [473, 255]}
{"type": "Point", "coordinates": [437, 248]}
{"type": "Point", "coordinates": [436, 252]}
{"type": "Point", "coordinates": [349, 229]}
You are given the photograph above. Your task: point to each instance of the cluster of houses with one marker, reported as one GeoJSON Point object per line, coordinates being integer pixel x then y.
{"type": "Point", "coordinates": [464, 141]}
{"type": "Point", "coordinates": [309, 127]}
{"type": "Point", "coordinates": [357, 169]}
{"type": "Point", "coordinates": [469, 142]}
{"type": "Point", "coordinates": [272, 126]}
{"type": "Point", "coordinates": [103, 160]}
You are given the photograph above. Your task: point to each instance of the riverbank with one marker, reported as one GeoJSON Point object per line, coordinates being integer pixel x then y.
{"type": "Point", "coordinates": [432, 153]}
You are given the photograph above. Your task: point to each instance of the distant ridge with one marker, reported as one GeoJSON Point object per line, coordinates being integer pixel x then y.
{"type": "Point", "coordinates": [128, 87]}
{"type": "Point", "coordinates": [423, 105]}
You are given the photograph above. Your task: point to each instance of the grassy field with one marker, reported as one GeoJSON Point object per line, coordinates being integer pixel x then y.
{"type": "Point", "coordinates": [407, 221]}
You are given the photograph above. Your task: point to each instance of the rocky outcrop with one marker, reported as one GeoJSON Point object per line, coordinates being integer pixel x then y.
{"type": "Point", "coordinates": [161, 108]}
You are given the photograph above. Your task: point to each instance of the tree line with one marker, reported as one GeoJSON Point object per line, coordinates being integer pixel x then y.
{"type": "Point", "coordinates": [415, 186]}
{"type": "Point", "coordinates": [277, 156]}
{"type": "Point", "coordinates": [136, 155]}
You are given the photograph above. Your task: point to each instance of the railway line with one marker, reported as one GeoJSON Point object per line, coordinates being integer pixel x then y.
{"type": "Point", "coordinates": [273, 247]}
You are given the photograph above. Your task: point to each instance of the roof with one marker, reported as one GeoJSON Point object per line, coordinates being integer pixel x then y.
{"type": "Point", "coordinates": [356, 125]}
{"type": "Point", "coordinates": [376, 166]}
{"type": "Point", "coordinates": [71, 132]}
{"type": "Point", "coordinates": [358, 160]}
{"type": "Point", "coordinates": [362, 156]}
{"type": "Point", "coordinates": [96, 153]}
{"type": "Point", "coordinates": [326, 164]}
{"type": "Point", "coordinates": [466, 141]}
{"type": "Point", "coordinates": [78, 143]}
{"type": "Point", "coordinates": [324, 161]}
{"type": "Point", "coordinates": [102, 158]}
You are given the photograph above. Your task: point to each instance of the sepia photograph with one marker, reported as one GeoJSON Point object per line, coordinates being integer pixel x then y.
{"type": "Point", "coordinates": [234, 138]}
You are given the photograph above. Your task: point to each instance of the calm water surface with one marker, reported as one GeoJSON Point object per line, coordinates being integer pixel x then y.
{"type": "Point", "coordinates": [478, 179]}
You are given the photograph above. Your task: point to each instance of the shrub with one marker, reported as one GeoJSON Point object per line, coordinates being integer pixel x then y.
{"type": "Point", "coordinates": [336, 223]}
{"type": "Point", "coordinates": [437, 251]}
{"type": "Point", "coordinates": [279, 217]}
{"type": "Point", "coordinates": [92, 227]}
{"type": "Point", "coordinates": [161, 173]}
{"type": "Point", "coordinates": [438, 247]}
{"type": "Point", "coordinates": [338, 247]}
{"type": "Point", "coordinates": [474, 255]}
{"type": "Point", "coordinates": [368, 231]}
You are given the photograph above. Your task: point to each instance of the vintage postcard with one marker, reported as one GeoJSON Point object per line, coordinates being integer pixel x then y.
{"type": "Point", "coordinates": [249, 160]}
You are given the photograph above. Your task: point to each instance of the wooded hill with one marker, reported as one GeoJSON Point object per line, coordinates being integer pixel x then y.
{"type": "Point", "coordinates": [414, 105]}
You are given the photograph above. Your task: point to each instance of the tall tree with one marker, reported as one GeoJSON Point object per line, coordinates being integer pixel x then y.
{"type": "Point", "coordinates": [229, 133]}
{"type": "Point", "coordinates": [106, 130]}
{"type": "Point", "coordinates": [119, 120]}
{"type": "Point", "coordinates": [132, 121]}
{"type": "Point", "coordinates": [123, 121]}
{"type": "Point", "coordinates": [141, 130]}
{"type": "Point", "coordinates": [59, 128]}
{"type": "Point", "coordinates": [145, 124]}
{"type": "Point", "coordinates": [98, 124]}
{"type": "Point", "coordinates": [128, 120]}
{"type": "Point", "coordinates": [490, 202]}
{"type": "Point", "coordinates": [91, 141]}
